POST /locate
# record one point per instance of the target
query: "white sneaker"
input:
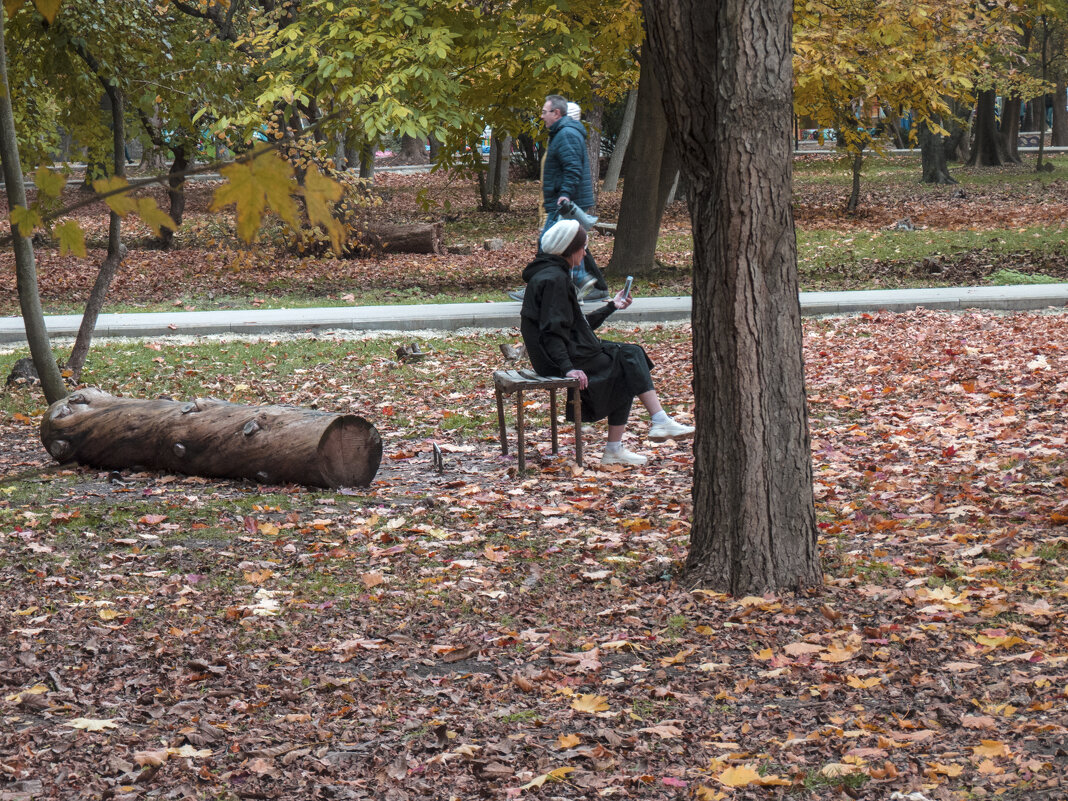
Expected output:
(670, 430)
(623, 456)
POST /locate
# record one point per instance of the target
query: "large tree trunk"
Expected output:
(413, 151)
(1059, 137)
(959, 126)
(25, 263)
(175, 192)
(615, 163)
(726, 72)
(987, 147)
(1010, 130)
(495, 186)
(649, 171)
(933, 157)
(207, 437)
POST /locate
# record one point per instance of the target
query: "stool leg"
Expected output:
(500, 422)
(519, 425)
(578, 428)
(552, 420)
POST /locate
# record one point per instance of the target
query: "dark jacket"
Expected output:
(560, 338)
(567, 166)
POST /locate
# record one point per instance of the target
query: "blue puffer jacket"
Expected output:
(567, 166)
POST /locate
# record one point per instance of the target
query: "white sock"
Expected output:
(613, 447)
(661, 417)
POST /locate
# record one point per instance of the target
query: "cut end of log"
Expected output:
(350, 451)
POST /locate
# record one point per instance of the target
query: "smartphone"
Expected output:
(627, 286)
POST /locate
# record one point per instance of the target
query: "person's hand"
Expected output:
(581, 376)
(560, 201)
(621, 301)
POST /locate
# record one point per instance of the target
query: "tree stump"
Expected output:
(213, 438)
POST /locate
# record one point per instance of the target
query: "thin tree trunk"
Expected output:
(727, 77)
(615, 163)
(44, 361)
(1042, 100)
(594, 121)
(854, 195)
(367, 161)
(933, 157)
(116, 251)
(1059, 137)
(645, 186)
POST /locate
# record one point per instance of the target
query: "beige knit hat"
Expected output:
(559, 236)
(574, 111)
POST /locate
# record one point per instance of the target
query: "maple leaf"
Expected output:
(552, 775)
(836, 653)
(568, 741)
(590, 703)
(92, 724)
(862, 684)
(320, 195)
(121, 203)
(48, 182)
(71, 238)
(739, 776)
(27, 219)
(153, 216)
(991, 748)
(664, 731)
(253, 186)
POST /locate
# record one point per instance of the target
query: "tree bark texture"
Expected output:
(212, 438)
(959, 127)
(1010, 129)
(645, 185)
(619, 152)
(594, 121)
(933, 157)
(25, 263)
(726, 72)
(987, 147)
(854, 194)
(1059, 136)
(412, 151)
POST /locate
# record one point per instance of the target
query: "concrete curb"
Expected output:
(449, 317)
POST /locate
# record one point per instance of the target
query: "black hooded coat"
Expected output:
(559, 338)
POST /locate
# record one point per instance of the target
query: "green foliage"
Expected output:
(1014, 277)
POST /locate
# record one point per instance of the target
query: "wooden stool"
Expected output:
(505, 382)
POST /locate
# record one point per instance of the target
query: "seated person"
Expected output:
(560, 341)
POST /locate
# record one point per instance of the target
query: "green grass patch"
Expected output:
(1013, 277)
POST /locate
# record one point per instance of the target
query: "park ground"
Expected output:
(476, 633)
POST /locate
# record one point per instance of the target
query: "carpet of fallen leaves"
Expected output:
(475, 633)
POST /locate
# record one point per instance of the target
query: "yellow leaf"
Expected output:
(836, 653)
(37, 689)
(834, 770)
(320, 195)
(991, 748)
(371, 579)
(29, 610)
(590, 703)
(71, 238)
(739, 777)
(708, 794)
(108, 614)
(11, 6)
(555, 775)
(862, 684)
(946, 770)
(154, 217)
(26, 219)
(48, 8)
(120, 203)
(1007, 641)
(48, 182)
(568, 740)
(764, 655)
(258, 576)
(619, 645)
(253, 186)
(91, 724)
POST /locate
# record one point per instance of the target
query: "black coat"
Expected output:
(559, 338)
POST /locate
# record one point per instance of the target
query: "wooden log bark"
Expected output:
(414, 238)
(213, 438)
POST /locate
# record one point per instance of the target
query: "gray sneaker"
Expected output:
(517, 294)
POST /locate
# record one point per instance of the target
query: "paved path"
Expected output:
(449, 317)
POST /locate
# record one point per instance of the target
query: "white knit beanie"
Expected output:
(574, 111)
(559, 236)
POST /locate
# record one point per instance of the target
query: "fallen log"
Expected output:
(213, 438)
(414, 238)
